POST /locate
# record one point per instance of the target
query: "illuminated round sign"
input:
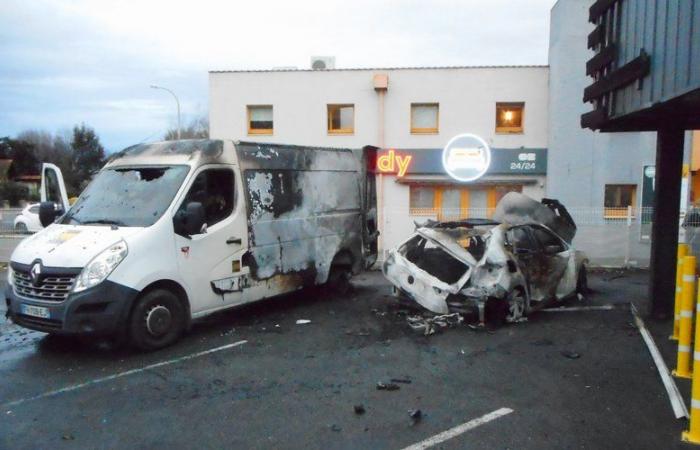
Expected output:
(466, 157)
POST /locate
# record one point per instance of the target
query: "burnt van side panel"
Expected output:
(304, 207)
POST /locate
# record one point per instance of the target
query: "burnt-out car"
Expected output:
(515, 263)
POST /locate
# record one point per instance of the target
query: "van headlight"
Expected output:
(10, 276)
(101, 266)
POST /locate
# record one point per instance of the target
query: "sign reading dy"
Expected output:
(392, 162)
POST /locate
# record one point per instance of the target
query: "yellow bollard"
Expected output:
(682, 252)
(685, 332)
(693, 433)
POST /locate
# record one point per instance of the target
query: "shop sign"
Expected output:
(466, 157)
(393, 162)
(428, 161)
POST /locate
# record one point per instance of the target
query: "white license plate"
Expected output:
(35, 311)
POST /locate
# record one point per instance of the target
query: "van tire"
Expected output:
(339, 280)
(157, 320)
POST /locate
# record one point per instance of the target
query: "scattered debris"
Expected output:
(431, 325)
(357, 333)
(570, 354)
(335, 428)
(401, 380)
(303, 321)
(415, 414)
(378, 313)
(68, 437)
(387, 386)
(359, 409)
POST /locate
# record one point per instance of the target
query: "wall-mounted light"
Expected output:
(508, 116)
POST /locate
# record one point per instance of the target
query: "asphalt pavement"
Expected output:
(254, 378)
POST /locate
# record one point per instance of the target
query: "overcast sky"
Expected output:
(65, 62)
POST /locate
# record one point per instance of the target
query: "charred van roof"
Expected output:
(207, 147)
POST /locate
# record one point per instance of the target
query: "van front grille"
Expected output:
(52, 288)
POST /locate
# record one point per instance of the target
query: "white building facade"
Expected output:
(411, 114)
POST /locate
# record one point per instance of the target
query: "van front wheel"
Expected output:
(157, 320)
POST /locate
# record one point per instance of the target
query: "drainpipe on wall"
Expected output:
(381, 85)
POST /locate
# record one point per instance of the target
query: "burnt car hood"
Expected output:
(519, 209)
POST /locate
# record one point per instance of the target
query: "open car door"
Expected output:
(370, 232)
(53, 189)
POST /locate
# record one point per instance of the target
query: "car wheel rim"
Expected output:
(158, 320)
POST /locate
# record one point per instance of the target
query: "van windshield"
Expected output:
(127, 196)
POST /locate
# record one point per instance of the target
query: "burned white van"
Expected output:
(174, 231)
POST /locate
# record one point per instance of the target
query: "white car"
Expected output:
(28, 219)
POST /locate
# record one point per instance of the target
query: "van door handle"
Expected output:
(233, 240)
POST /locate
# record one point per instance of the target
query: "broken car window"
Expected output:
(214, 189)
(471, 239)
(131, 197)
(519, 239)
(549, 242)
(431, 258)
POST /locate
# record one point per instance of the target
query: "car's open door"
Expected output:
(53, 189)
(370, 232)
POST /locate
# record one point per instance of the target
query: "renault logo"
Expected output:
(35, 273)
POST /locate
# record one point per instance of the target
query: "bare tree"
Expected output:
(48, 147)
(197, 128)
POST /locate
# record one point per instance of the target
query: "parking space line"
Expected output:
(459, 429)
(121, 374)
(679, 408)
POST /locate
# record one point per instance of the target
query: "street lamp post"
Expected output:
(153, 86)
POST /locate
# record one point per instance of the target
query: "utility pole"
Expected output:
(153, 86)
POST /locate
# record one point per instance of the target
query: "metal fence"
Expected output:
(610, 237)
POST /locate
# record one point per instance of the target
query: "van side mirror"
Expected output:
(48, 212)
(190, 220)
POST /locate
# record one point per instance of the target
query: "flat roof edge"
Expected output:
(350, 69)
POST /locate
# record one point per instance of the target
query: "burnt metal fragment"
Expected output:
(570, 354)
(387, 386)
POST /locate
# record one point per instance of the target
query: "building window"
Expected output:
(618, 197)
(341, 119)
(260, 119)
(509, 117)
(421, 200)
(424, 118)
(453, 202)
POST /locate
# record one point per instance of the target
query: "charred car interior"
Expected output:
(503, 267)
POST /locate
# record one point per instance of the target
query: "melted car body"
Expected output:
(517, 260)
